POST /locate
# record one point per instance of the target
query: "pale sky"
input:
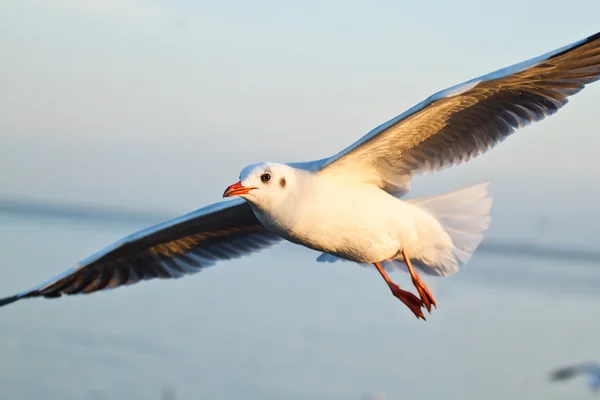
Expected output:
(160, 104)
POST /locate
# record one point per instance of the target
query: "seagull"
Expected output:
(348, 206)
(592, 370)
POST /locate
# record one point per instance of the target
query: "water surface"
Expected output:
(280, 326)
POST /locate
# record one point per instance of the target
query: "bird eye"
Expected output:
(266, 177)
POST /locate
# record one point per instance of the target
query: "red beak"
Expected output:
(236, 189)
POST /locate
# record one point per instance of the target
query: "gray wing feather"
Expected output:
(461, 122)
(172, 249)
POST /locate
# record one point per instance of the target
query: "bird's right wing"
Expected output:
(172, 249)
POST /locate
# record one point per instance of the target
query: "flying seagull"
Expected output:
(592, 370)
(348, 206)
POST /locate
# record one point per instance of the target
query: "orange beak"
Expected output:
(236, 189)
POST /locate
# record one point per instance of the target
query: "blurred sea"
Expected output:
(278, 325)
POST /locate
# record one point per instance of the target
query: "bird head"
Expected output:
(263, 184)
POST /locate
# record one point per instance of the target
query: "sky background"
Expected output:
(159, 104)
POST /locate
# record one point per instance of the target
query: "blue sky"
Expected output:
(159, 104)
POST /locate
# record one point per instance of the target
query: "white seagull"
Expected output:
(592, 370)
(348, 206)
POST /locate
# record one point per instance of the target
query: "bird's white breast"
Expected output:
(349, 219)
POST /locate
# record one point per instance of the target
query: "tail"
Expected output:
(465, 215)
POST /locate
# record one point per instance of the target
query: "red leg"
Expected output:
(409, 299)
(423, 290)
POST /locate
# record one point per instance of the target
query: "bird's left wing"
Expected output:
(463, 121)
(172, 249)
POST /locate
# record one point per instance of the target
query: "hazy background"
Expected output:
(155, 106)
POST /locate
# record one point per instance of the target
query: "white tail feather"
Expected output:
(465, 215)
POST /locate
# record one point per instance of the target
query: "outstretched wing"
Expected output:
(175, 248)
(574, 370)
(461, 122)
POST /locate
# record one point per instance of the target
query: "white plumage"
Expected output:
(348, 206)
(359, 222)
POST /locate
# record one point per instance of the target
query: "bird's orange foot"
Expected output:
(425, 294)
(409, 299)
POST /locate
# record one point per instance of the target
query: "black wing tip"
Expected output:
(9, 300)
(593, 37)
(587, 40)
(562, 374)
(590, 39)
